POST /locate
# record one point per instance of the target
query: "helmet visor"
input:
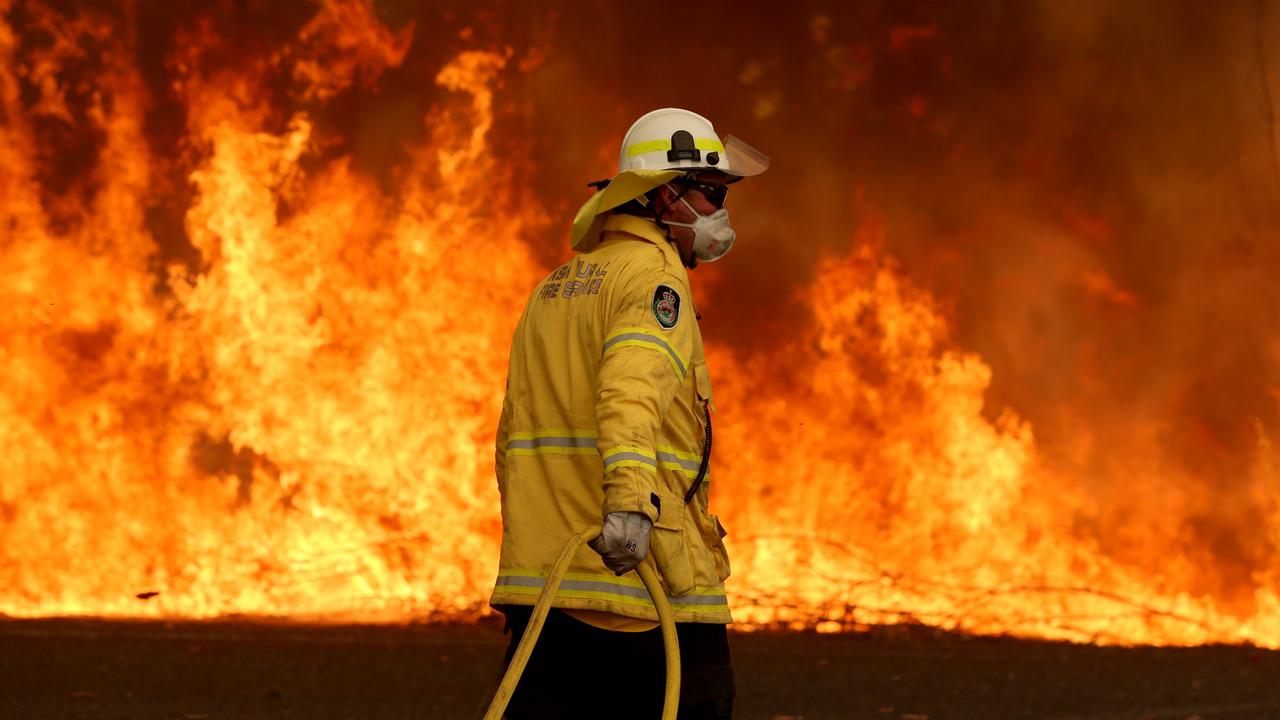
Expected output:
(744, 160)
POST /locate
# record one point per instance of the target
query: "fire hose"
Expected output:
(648, 576)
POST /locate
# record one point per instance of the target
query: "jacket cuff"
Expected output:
(630, 489)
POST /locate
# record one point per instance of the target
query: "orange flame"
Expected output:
(297, 420)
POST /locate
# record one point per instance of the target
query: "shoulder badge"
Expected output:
(666, 306)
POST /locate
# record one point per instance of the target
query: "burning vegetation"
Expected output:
(999, 350)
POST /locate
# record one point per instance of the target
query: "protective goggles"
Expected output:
(715, 194)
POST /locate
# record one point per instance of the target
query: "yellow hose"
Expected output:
(671, 700)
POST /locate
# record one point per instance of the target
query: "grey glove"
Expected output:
(623, 540)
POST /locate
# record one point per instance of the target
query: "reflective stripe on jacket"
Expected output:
(607, 391)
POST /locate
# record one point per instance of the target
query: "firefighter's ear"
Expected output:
(662, 197)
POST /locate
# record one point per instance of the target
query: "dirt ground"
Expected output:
(198, 671)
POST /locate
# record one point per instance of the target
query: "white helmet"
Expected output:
(675, 139)
(658, 148)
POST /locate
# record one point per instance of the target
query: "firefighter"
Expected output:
(607, 421)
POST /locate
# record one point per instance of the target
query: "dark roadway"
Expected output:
(198, 671)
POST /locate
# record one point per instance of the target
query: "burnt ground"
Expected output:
(194, 671)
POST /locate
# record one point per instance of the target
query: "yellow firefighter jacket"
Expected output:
(606, 409)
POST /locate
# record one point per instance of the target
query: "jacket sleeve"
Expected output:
(647, 346)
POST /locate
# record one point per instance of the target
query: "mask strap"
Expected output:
(692, 262)
(657, 218)
(680, 196)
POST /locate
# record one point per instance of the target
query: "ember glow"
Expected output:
(261, 272)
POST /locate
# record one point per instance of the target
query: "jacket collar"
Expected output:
(621, 226)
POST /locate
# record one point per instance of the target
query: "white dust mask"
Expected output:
(712, 234)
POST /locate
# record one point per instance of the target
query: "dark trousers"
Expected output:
(580, 671)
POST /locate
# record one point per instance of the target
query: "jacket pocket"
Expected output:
(669, 544)
(702, 410)
(718, 551)
(702, 383)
